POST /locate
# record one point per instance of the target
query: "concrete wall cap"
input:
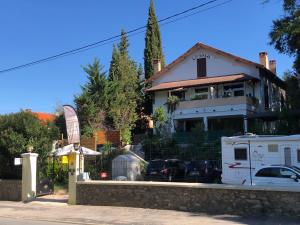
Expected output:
(29, 154)
(189, 185)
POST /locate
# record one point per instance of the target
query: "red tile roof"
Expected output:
(201, 82)
(44, 117)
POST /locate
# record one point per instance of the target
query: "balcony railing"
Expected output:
(215, 102)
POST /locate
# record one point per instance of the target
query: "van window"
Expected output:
(240, 153)
(272, 148)
(298, 155)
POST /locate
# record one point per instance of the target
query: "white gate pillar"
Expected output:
(29, 162)
(73, 174)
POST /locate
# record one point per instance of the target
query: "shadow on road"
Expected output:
(52, 199)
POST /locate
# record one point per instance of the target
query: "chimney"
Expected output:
(263, 59)
(156, 65)
(272, 65)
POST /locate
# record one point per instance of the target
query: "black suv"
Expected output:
(165, 170)
(204, 171)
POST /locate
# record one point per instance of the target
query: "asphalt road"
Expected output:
(11, 221)
(57, 212)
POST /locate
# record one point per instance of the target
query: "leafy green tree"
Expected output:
(160, 116)
(153, 44)
(17, 132)
(92, 103)
(123, 86)
(285, 34)
(292, 91)
(172, 103)
(289, 122)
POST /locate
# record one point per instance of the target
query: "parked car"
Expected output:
(165, 170)
(204, 171)
(277, 176)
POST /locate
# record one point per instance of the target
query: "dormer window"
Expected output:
(201, 67)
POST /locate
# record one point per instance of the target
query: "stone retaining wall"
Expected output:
(10, 190)
(206, 198)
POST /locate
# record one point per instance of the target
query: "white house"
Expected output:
(217, 88)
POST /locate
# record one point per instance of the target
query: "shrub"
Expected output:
(17, 131)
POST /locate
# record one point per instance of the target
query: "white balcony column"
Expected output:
(245, 124)
(205, 122)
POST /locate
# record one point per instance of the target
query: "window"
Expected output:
(238, 93)
(234, 90)
(275, 172)
(201, 67)
(298, 155)
(272, 148)
(179, 94)
(268, 172)
(266, 93)
(201, 93)
(240, 153)
(286, 173)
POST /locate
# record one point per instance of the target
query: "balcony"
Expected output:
(240, 100)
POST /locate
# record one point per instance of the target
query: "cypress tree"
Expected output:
(123, 45)
(153, 45)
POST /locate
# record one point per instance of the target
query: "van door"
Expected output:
(241, 166)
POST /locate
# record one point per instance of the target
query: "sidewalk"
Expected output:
(60, 212)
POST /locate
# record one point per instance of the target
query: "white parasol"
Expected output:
(70, 148)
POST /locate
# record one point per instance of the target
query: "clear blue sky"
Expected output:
(34, 29)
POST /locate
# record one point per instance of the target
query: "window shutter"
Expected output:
(201, 67)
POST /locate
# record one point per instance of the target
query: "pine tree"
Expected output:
(114, 63)
(92, 103)
(153, 45)
(123, 90)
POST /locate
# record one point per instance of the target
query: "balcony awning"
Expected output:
(201, 82)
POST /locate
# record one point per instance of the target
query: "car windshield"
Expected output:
(172, 163)
(156, 164)
(297, 169)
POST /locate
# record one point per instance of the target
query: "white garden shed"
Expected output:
(127, 166)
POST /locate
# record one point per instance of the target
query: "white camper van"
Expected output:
(243, 155)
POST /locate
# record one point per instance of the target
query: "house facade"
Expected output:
(217, 89)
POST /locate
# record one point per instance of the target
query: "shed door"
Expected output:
(287, 156)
